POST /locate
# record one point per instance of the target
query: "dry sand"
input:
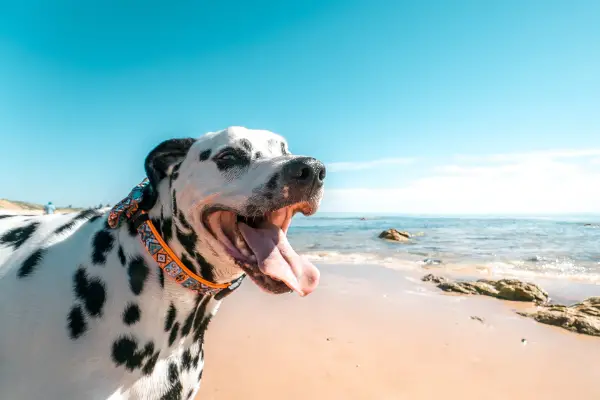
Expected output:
(373, 333)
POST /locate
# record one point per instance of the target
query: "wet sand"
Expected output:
(373, 333)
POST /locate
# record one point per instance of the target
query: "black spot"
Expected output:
(6, 216)
(161, 277)
(138, 273)
(196, 360)
(272, 182)
(82, 216)
(201, 320)
(188, 263)
(268, 195)
(17, 236)
(189, 321)
(186, 360)
(121, 255)
(283, 150)
(187, 325)
(125, 352)
(131, 315)
(206, 268)
(76, 322)
(170, 319)
(173, 373)
(200, 374)
(150, 364)
(148, 349)
(30, 263)
(173, 334)
(131, 228)
(205, 155)
(190, 394)
(158, 225)
(258, 155)
(184, 222)
(246, 145)
(174, 392)
(103, 242)
(174, 205)
(91, 291)
(167, 233)
(187, 240)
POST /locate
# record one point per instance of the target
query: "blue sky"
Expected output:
(419, 107)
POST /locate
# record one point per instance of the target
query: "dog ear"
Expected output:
(165, 155)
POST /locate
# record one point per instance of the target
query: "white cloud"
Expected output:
(534, 183)
(358, 165)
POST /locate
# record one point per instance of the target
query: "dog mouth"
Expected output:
(259, 245)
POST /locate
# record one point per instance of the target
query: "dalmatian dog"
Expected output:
(86, 312)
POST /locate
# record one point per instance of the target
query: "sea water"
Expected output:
(565, 247)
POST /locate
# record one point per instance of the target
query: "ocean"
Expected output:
(554, 247)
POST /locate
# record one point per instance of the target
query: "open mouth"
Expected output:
(259, 246)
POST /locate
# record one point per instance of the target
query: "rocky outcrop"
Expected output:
(505, 289)
(395, 235)
(582, 317)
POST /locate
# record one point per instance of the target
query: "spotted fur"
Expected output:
(86, 312)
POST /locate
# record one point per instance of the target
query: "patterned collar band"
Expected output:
(128, 209)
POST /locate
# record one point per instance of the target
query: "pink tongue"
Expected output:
(277, 259)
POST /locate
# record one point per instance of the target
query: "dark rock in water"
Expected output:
(505, 289)
(476, 318)
(432, 261)
(582, 317)
(363, 219)
(395, 235)
(592, 225)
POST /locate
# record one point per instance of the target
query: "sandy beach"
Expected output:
(373, 333)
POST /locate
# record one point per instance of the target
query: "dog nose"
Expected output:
(304, 171)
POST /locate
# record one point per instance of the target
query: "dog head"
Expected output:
(224, 203)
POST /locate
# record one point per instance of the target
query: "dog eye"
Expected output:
(227, 156)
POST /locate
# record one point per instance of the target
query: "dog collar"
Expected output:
(167, 260)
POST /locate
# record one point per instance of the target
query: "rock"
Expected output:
(395, 235)
(505, 289)
(434, 278)
(363, 219)
(476, 318)
(582, 317)
(482, 288)
(515, 290)
(432, 261)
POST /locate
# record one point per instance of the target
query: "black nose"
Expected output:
(304, 171)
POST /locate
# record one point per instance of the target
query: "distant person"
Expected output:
(49, 208)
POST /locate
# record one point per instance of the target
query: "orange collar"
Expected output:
(128, 208)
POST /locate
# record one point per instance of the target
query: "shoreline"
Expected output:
(376, 333)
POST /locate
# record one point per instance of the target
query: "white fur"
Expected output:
(38, 358)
